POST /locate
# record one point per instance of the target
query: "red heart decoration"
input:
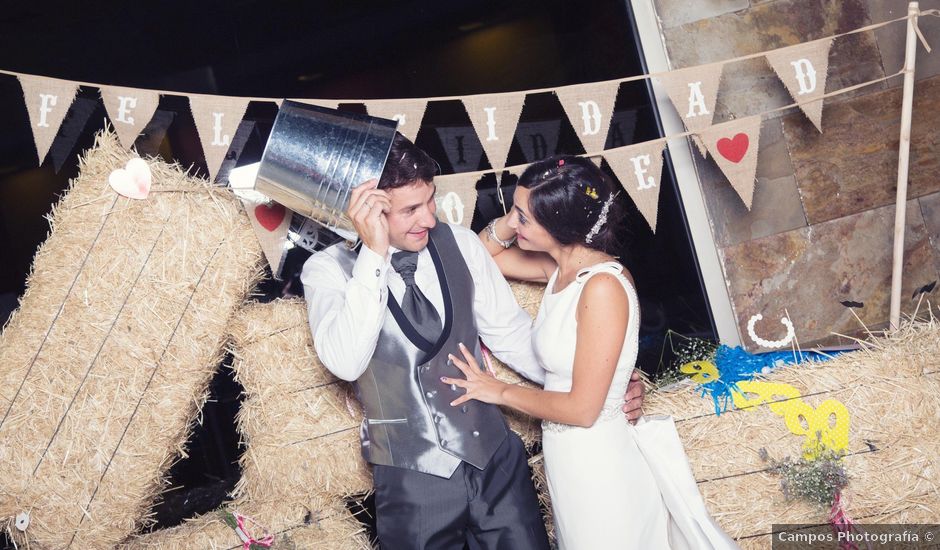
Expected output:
(735, 148)
(270, 216)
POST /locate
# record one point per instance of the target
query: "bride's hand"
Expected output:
(480, 385)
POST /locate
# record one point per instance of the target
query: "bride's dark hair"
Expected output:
(567, 197)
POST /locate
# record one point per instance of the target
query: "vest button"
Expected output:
(443, 443)
(464, 409)
(431, 394)
(476, 433)
(425, 368)
(438, 417)
(453, 387)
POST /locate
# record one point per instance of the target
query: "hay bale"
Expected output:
(104, 365)
(892, 393)
(324, 525)
(300, 428)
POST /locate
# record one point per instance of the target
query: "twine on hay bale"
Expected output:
(892, 392)
(107, 360)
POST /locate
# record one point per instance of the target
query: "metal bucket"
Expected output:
(315, 156)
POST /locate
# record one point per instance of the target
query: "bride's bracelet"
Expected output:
(491, 231)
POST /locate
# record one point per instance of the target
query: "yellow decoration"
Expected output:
(702, 372)
(816, 425)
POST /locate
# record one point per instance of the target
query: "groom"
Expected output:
(386, 317)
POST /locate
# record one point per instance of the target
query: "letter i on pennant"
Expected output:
(494, 117)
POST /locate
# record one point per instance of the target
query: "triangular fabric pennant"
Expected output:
(694, 92)
(538, 139)
(456, 198)
(639, 169)
(130, 110)
(734, 147)
(217, 118)
(589, 108)
(408, 112)
(47, 102)
(270, 222)
(803, 69)
(462, 147)
(495, 116)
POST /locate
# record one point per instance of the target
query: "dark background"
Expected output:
(351, 49)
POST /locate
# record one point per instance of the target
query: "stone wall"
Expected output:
(820, 232)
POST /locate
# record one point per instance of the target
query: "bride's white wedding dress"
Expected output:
(604, 493)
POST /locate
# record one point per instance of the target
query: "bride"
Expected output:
(564, 220)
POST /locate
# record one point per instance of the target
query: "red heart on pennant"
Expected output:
(735, 148)
(270, 216)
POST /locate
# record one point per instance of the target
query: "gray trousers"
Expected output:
(495, 508)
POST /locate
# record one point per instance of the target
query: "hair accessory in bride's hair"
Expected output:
(561, 162)
(591, 192)
(601, 219)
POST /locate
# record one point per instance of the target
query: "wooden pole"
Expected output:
(900, 205)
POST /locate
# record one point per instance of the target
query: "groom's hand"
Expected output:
(633, 398)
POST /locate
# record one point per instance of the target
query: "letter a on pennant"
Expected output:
(694, 92)
(639, 169)
(130, 110)
(216, 118)
(803, 68)
(734, 147)
(589, 108)
(494, 117)
(47, 102)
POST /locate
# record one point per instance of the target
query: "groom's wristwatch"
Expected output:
(491, 231)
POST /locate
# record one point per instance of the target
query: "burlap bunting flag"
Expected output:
(538, 139)
(456, 198)
(217, 118)
(47, 102)
(270, 222)
(803, 70)
(462, 147)
(494, 117)
(639, 169)
(734, 147)
(589, 108)
(130, 109)
(408, 112)
(694, 92)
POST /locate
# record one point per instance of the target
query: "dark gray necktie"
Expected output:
(415, 305)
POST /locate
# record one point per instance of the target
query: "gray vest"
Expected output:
(409, 422)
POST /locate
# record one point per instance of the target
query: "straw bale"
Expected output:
(299, 425)
(104, 365)
(892, 391)
(300, 428)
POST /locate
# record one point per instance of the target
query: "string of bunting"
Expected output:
(494, 119)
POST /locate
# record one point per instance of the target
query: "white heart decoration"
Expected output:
(132, 181)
